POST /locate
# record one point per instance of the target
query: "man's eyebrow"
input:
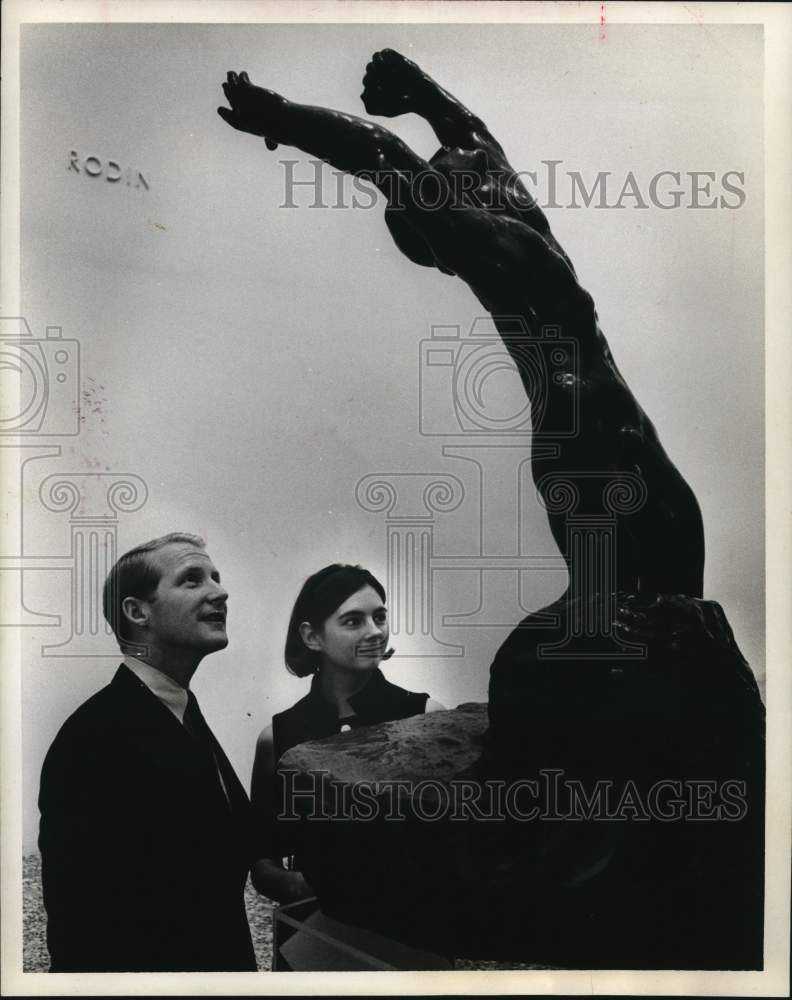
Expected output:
(190, 567)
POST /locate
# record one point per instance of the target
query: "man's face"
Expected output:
(188, 608)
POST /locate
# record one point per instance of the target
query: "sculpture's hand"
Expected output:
(679, 622)
(253, 109)
(696, 633)
(391, 85)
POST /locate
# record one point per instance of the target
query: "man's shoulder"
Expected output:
(105, 714)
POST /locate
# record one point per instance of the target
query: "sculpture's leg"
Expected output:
(515, 272)
(660, 545)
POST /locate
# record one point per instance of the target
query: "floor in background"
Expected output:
(35, 957)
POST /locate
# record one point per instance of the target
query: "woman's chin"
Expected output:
(371, 662)
(368, 661)
(356, 663)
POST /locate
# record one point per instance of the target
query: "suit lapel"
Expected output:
(160, 733)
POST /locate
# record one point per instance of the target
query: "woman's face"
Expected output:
(355, 636)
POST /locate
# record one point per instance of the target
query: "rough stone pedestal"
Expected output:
(400, 830)
(378, 843)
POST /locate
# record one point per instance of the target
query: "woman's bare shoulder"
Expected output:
(265, 744)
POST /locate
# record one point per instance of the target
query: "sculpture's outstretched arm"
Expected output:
(345, 142)
(355, 146)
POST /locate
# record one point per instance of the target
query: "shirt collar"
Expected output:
(172, 695)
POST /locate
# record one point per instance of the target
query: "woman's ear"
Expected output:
(310, 637)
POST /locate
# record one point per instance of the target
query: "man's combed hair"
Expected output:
(134, 575)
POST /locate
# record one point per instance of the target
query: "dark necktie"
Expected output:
(197, 726)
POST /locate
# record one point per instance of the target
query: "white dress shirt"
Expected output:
(172, 695)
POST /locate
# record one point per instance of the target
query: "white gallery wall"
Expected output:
(252, 363)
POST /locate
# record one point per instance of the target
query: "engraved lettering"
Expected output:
(93, 166)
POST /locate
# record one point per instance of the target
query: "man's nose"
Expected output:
(220, 594)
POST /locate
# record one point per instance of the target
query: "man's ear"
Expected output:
(310, 637)
(135, 611)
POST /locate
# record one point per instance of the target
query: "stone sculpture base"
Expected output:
(431, 859)
(396, 872)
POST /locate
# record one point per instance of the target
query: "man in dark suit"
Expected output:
(145, 828)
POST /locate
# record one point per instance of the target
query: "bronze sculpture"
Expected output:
(689, 707)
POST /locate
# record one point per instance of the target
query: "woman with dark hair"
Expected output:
(338, 635)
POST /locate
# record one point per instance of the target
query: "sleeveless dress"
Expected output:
(313, 718)
(326, 944)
